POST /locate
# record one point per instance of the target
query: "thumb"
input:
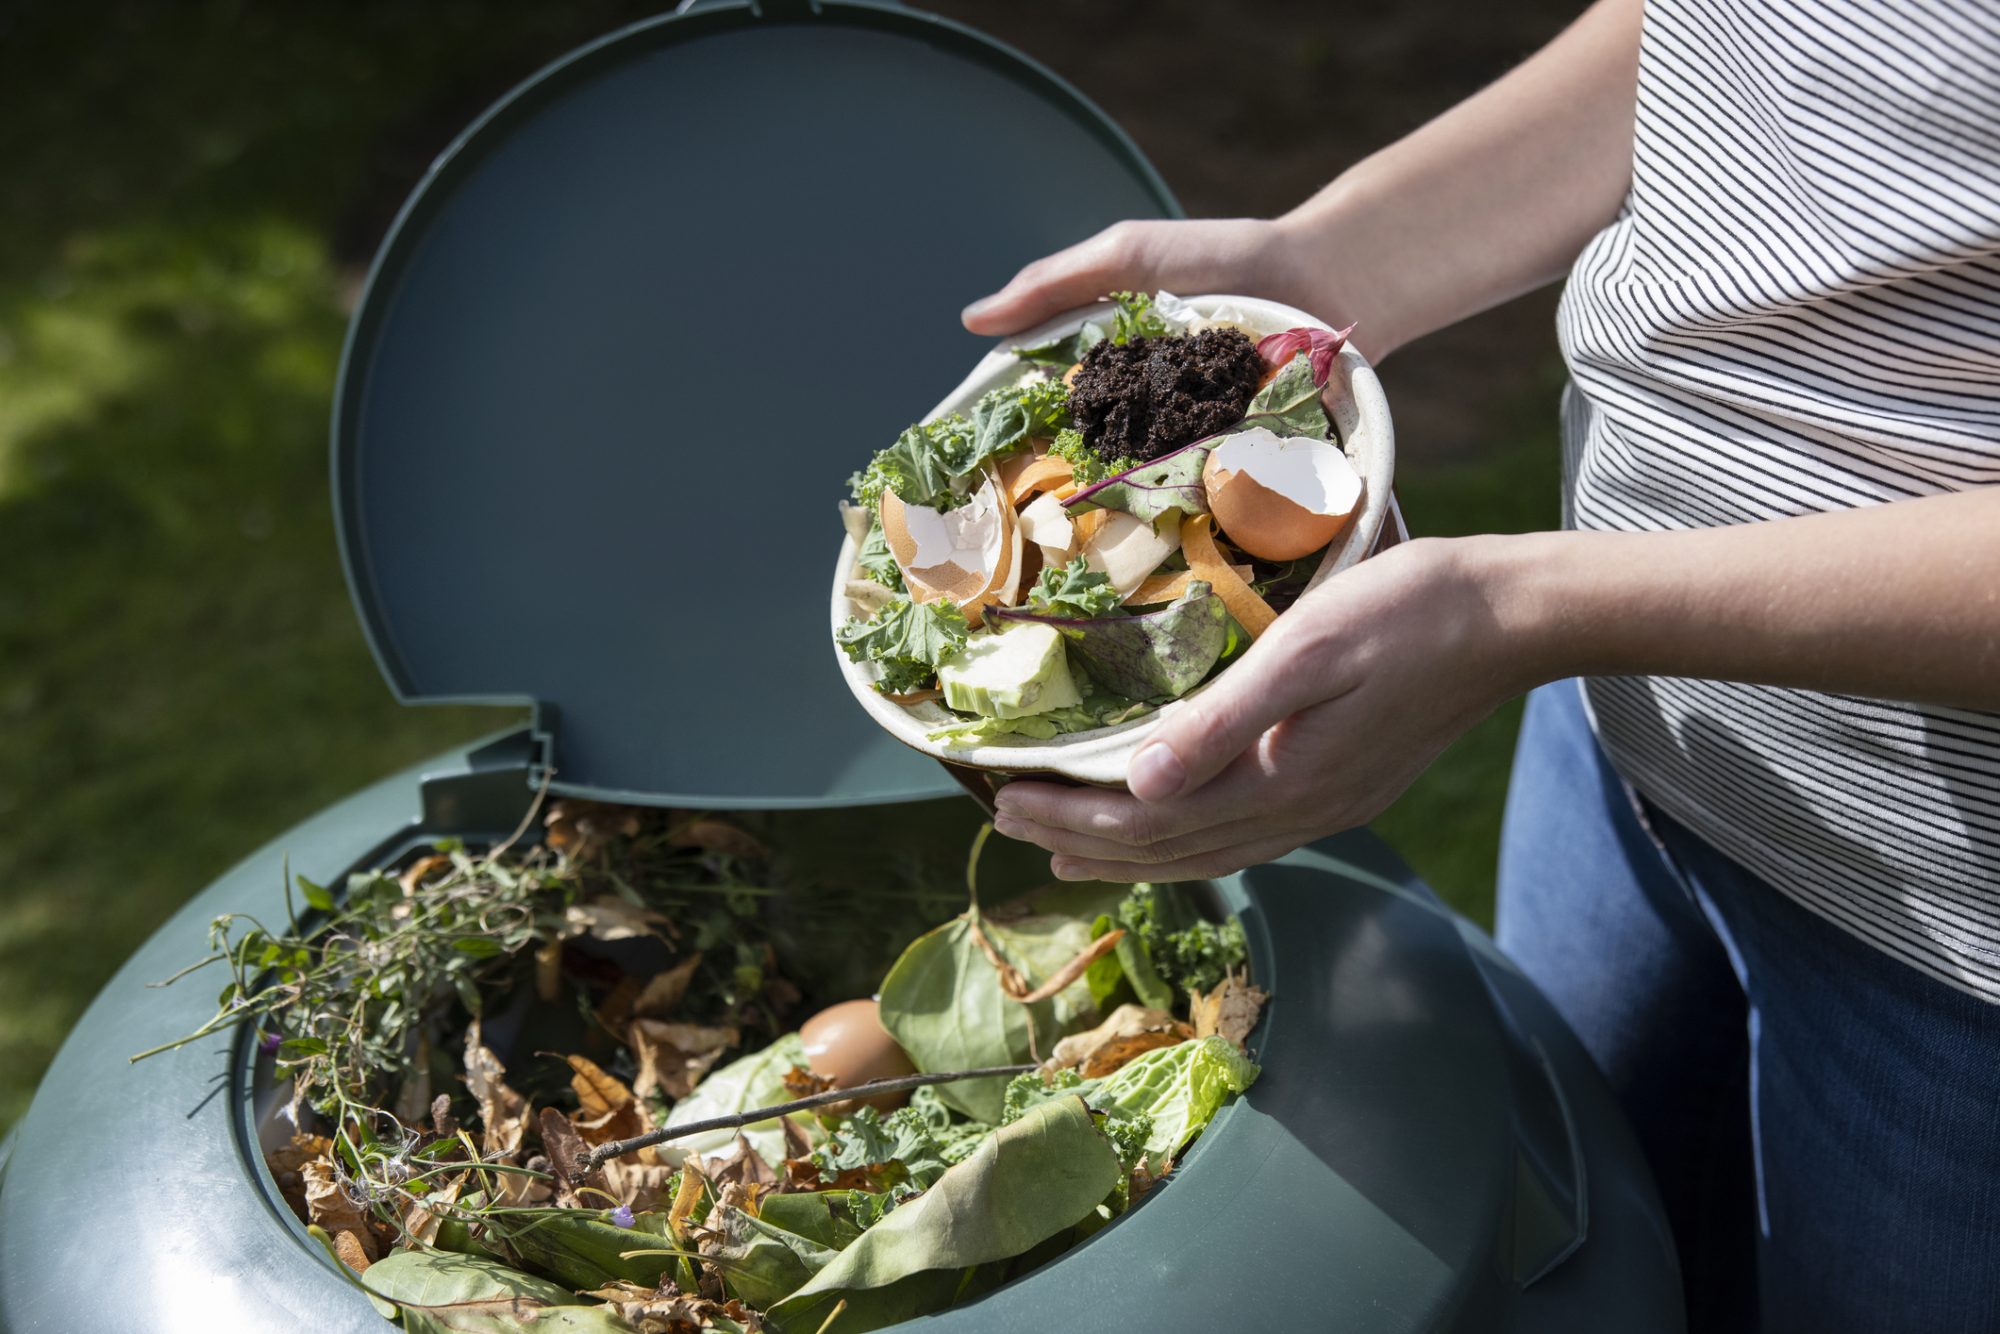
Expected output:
(1062, 281)
(1209, 732)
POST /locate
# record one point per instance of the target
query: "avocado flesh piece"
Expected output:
(1012, 673)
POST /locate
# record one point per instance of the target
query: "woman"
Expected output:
(1754, 855)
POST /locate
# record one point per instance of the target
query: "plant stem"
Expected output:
(604, 1153)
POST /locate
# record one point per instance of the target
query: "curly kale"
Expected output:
(1128, 1135)
(1193, 957)
(1029, 1091)
(1087, 464)
(1073, 590)
(908, 639)
(918, 467)
(897, 1151)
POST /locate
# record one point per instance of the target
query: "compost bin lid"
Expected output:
(625, 344)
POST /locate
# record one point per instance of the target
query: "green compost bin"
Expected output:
(666, 292)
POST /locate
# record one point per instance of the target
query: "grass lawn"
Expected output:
(181, 676)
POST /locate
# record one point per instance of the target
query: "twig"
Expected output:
(604, 1153)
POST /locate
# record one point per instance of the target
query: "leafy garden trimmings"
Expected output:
(490, 1053)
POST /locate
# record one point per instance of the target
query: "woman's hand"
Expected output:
(1336, 710)
(1244, 256)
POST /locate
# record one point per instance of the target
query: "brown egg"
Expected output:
(1279, 498)
(847, 1044)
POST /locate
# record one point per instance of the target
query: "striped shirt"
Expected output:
(1798, 310)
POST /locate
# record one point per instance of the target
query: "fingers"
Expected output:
(1202, 866)
(1113, 816)
(1205, 736)
(1099, 848)
(1069, 278)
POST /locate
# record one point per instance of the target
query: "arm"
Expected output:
(1491, 199)
(1353, 692)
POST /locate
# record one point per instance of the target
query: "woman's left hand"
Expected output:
(1325, 721)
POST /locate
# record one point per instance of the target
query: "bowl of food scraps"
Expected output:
(1102, 518)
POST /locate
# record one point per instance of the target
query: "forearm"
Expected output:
(1493, 198)
(1897, 601)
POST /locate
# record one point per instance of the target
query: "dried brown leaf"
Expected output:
(711, 835)
(668, 1310)
(1130, 1031)
(606, 1110)
(329, 1205)
(353, 1252)
(443, 1123)
(503, 1113)
(611, 918)
(580, 828)
(798, 1144)
(1229, 1011)
(422, 869)
(685, 1199)
(568, 1154)
(739, 1164)
(664, 992)
(286, 1163)
(674, 1057)
(803, 1083)
(422, 1220)
(641, 1186)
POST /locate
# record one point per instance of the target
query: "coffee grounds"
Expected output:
(1150, 396)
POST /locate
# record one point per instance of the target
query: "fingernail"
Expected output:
(1155, 773)
(979, 307)
(1008, 828)
(1004, 803)
(1065, 870)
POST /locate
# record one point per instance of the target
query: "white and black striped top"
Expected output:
(1799, 311)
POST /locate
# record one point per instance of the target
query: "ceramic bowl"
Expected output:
(1359, 412)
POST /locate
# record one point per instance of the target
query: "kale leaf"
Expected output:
(918, 467)
(1188, 952)
(908, 639)
(1074, 590)
(1086, 463)
(878, 561)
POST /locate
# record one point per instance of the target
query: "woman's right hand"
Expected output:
(1244, 256)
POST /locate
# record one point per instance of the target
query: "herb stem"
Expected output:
(604, 1153)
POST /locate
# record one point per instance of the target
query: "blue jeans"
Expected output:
(1823, 1121)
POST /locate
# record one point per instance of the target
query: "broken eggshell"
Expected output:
(1360, 414)
(971, 555)
(1279, 497)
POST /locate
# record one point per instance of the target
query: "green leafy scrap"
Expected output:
(1136, 318)
(1028, 1091)
(896, 1151)
(1028, 1182)
(918, 467)
(907, 639)
(1074, 590)
(1086, 464)
(877, 561)
(1290, 403)
(1004, 419)
(1189, 953)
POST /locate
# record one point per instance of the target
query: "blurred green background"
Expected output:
(189, 196)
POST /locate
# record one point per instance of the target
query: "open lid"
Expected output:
(627, 341)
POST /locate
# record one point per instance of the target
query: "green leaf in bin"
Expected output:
(1026, 1183)
(479, 947)
(317, 895)
(297, 1049)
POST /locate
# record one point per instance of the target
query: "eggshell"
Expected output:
(970, 555)
(1279, 498)
(847, 1044)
